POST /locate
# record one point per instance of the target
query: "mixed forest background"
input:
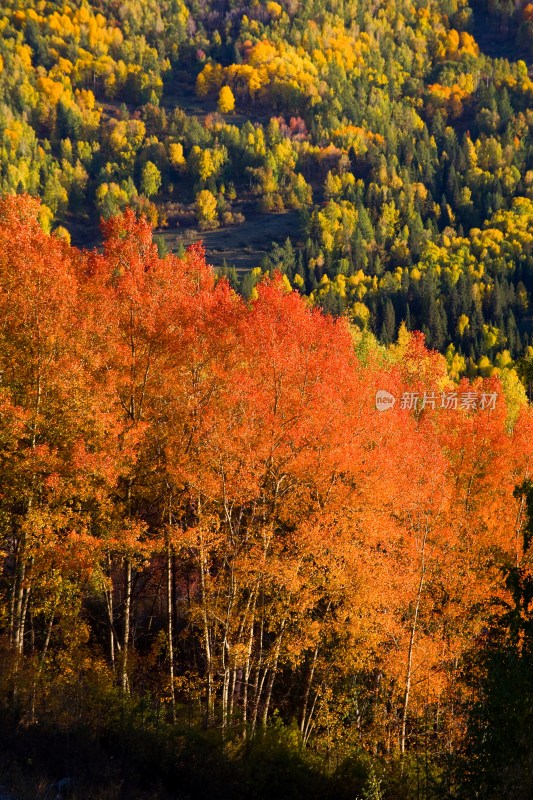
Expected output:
(225, 573)
(395, 136)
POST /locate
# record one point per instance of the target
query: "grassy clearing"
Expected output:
(242, 246)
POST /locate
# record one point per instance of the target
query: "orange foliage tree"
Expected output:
(217, 474)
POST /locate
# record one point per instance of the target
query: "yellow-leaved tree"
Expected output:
(226, 100)
(206, 209)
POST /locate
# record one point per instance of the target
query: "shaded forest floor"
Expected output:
(242, 246)
(128, 762)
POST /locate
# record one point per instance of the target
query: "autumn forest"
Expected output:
(266, 527)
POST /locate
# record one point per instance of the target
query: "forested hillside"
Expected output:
(404, 144)
(266, 533)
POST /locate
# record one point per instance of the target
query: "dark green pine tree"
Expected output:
(496, 300)
(377, 266)
(287, 258)
(408, 318)
(310, 278)
(364, 225)
(359, 249)
(453, 189)
(388, 325)
(417, 235)
(505, 108)
(300, 269)
(513, 336)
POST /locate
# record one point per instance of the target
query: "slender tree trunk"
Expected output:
(225, 697)
(233, 691)
(127, 622)
(272, 676)
(170, 631)
(258, 684)
(226, 655)
(48, 636)
(25, 605)
(14, 589)
(109, 597)
(258, 691)
(42, 660)
(309, 725)
(245, 637)
(22, 603)
(19, 604)
(248, 671)
(412, 637)
(303, 719)
(210, 715)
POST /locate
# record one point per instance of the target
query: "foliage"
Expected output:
(201, 505)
